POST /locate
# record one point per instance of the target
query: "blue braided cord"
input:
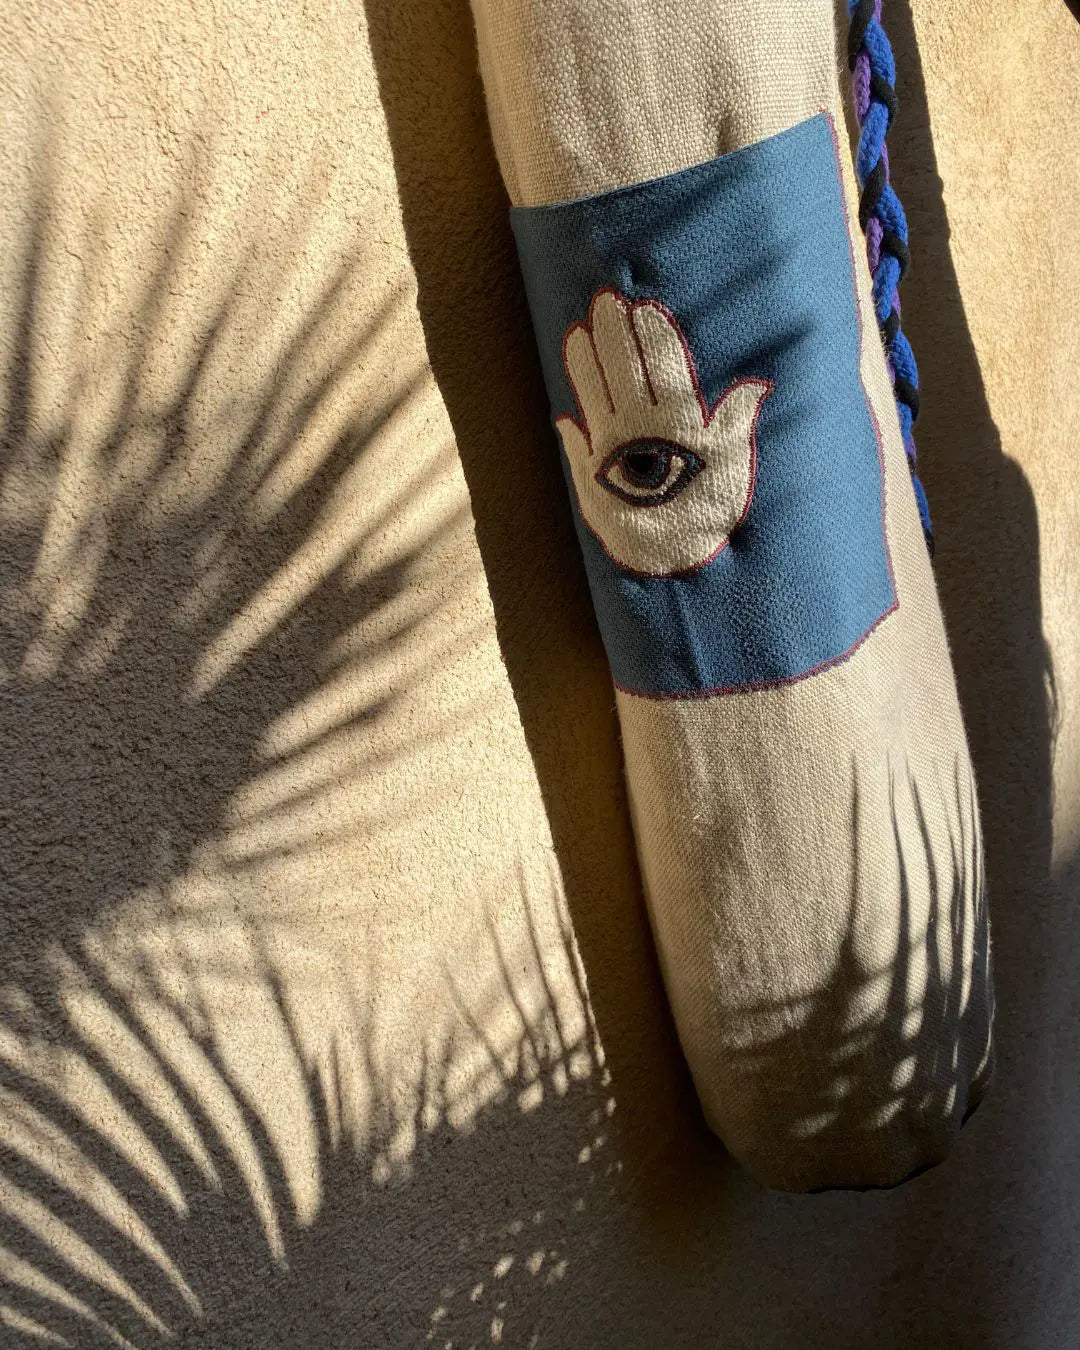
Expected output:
(879, 48)
(920, 498)
(890, 212)
(874, 125)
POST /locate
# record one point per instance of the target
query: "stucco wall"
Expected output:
(328, 1012)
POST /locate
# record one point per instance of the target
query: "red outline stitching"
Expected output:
(707, 415)
(723, 690)
(641, 358)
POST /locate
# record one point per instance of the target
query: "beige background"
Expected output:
(328, 1014)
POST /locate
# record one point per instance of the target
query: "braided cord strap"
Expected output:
(882, 217)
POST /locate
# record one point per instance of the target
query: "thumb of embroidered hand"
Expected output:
(802, 794)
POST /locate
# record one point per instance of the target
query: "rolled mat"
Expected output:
(684, 205)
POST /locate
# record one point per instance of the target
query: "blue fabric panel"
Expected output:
(751, 253)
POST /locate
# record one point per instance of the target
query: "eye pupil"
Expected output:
(646, 467)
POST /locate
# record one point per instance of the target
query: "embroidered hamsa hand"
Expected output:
(662, 479)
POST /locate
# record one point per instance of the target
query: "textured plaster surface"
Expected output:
(328, 1012)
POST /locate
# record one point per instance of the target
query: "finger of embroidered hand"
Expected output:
(617, 349)
(587, 379)
(666, 357)
(574, 440)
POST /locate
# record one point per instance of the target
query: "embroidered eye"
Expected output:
(648, 472)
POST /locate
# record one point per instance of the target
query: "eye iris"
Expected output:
(649, 471)
(646, 466)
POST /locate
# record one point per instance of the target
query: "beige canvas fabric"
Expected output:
(811, 854)
(586, 95)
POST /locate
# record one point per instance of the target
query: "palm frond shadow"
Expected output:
(480, 346)
(402, 1250)
(176, 576)
(926, 1047)
(170, 586)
